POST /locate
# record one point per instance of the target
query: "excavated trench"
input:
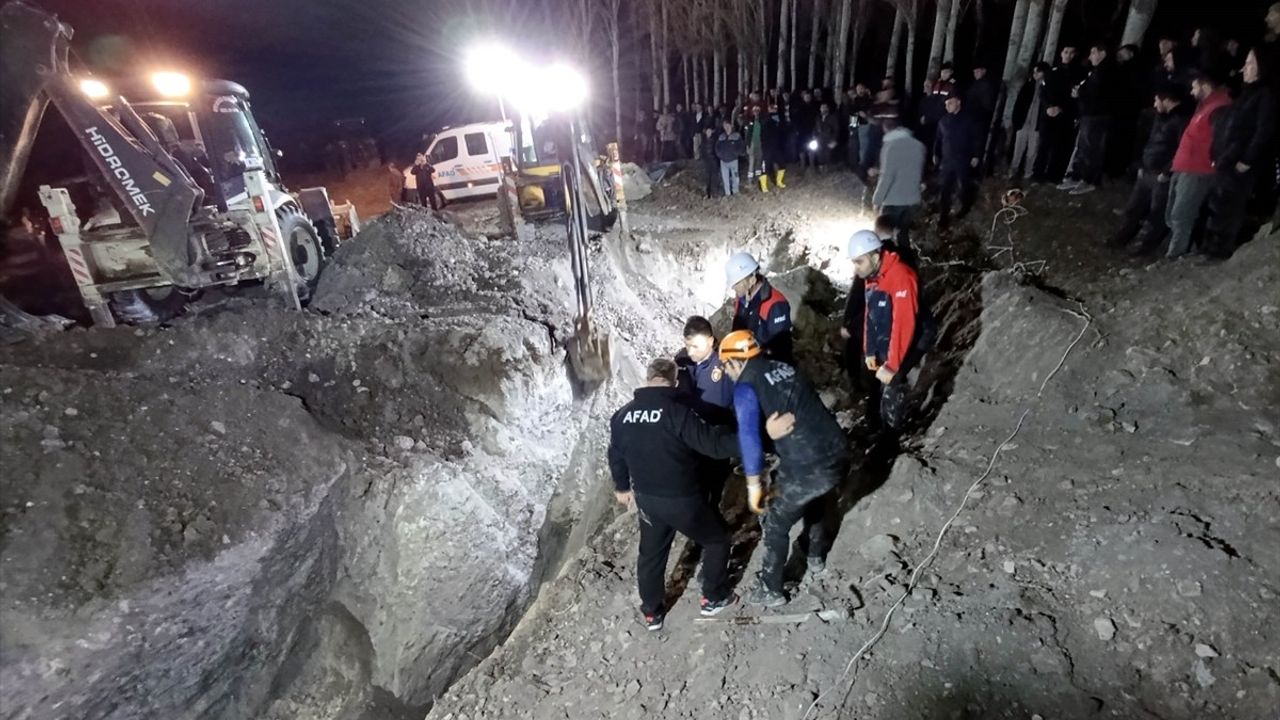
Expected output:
(390, 478)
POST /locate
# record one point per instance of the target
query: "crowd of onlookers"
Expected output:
(1197, 131)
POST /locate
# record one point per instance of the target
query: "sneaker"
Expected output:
(1083, 189)
(654, 621)
(816, 565)
(711, 608)
(1068, 185)
(762, 595)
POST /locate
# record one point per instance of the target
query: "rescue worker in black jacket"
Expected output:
(760, 308)
(656, 446)
(1242, 146)
(813, 455)
(1150, 197)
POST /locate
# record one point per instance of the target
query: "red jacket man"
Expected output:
(897, 327)
(1193, 164)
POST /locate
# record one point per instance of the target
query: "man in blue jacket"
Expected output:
(702, 375)
(813, 457)
(760, 308)
(956, 151)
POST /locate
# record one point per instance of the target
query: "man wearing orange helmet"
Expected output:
(813, 457)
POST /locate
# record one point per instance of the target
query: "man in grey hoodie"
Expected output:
(901, 172)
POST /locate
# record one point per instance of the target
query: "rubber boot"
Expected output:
(764, 182)
(777, 178)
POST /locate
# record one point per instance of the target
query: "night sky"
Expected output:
(396, 63)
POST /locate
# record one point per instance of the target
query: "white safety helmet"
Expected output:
(741, 265)
(863, 242)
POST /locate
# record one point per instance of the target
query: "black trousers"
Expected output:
(1145, 213)
(1228, 203)
(955, 181)
(1057, 140)
(429, 196)
(694, 517)
(888, 407)
(806, 495)
(902, 216)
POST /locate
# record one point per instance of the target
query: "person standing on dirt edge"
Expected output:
(813, 455)
(956, 150)
(728, 149)
(897, 329)
(424, 172)
(656, 448)
(760, 308)
(900, 174)
(710, 163)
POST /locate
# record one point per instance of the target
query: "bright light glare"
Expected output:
(171, 84)
(94, 89)
(565, 87)
(813, 144)
(491, 68)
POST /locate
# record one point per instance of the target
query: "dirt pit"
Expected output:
(392, 504)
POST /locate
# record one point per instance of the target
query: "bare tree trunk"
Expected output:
(717, 77)
(684, 77)
(762, 38)
(980, 22)
(1030, 40)
(815, 31)
(698, 80)
(1016, 28)
(795, 19)
(1054, 32)
(913, 22)
(611, 20)
(938, 40)
(953, 19)
(656, 78)
(784, 34)
(840, 62)
(666, 56)
(829, 56)
(1135, 27)
(860, 21)
(742, 72)
(895, 42)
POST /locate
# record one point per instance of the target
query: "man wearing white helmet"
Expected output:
(897, 328)
(760, 308)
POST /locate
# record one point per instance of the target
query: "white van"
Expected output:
(468, 159)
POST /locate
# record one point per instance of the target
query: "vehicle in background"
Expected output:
(468, 159)
(179, 190)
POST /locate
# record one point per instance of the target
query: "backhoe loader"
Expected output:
(181, 192)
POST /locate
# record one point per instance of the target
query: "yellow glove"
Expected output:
(755, 497)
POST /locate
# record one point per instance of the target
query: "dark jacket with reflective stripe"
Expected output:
(657, 445)
(768, 316)
(780, 388)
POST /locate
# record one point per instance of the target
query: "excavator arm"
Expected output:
(150, 185)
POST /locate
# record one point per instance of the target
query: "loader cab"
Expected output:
(214, 132)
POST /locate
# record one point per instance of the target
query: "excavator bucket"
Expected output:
(590, 357)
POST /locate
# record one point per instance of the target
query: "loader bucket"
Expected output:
(590, 360)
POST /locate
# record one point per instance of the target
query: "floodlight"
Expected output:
(171, 84)
(94, 89)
